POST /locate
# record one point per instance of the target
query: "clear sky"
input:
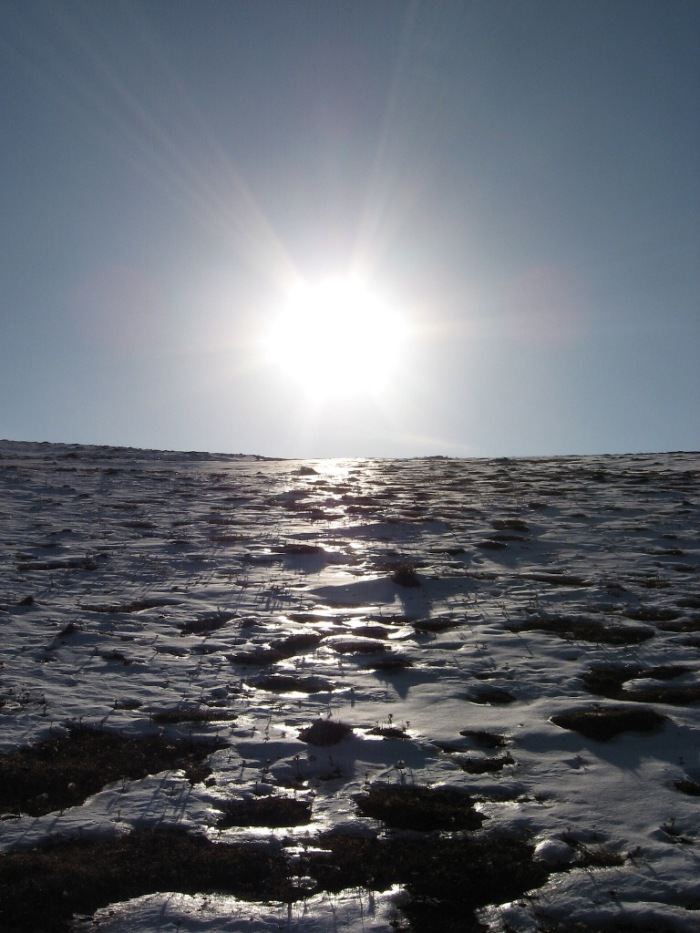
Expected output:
(498, 199)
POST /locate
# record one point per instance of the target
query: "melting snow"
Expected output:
(140, 585)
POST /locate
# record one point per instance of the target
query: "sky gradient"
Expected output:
(518, 179)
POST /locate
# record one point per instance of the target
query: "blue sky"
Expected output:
(518, 180)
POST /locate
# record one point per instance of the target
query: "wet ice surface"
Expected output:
(244, 599)
(371, 912)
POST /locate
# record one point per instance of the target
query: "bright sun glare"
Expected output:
(335, 338)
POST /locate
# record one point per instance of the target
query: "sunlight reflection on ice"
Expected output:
(356, 911)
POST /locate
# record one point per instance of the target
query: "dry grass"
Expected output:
(293, 683)
(206, 624)
(585, 628)
(64, 771)
(447, 876)
(405, 575)
(484, 738)
(608, 681)
(282, 649)
(325, 732)
(419, 808)
(272, 810)
(605, 722)
(491, 696)
(692, 788)
(473, 765)
(42, 888)
(183, 714)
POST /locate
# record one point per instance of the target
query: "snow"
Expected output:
(153, 574)
(338, 912)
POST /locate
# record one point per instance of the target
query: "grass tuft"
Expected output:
(473, 765)
(692, 788)
(491, 696)
(293, 683)
(207, 624)
(604, 723)
(191, 714)
(419, 808)
(273, 811)
(585, 628)
(608, 681)
(405, 575)
(484, 738)
(325, 732)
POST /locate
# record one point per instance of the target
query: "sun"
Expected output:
(336, 338)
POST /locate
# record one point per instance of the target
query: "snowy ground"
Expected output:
(241, 599)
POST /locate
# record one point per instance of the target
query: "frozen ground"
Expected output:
(447, 611)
